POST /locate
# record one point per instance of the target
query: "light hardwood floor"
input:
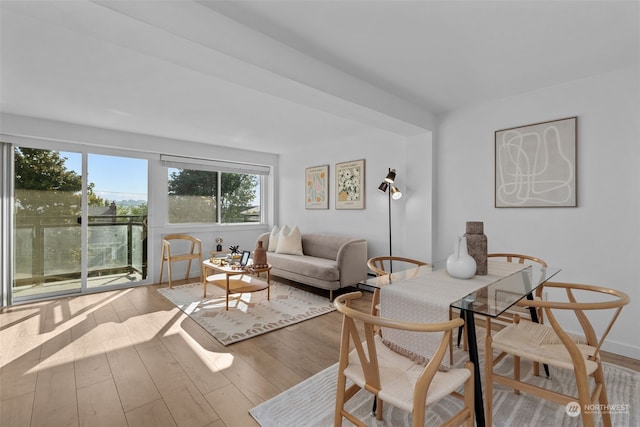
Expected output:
(131, 358)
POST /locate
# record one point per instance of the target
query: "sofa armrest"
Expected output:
(352, 262)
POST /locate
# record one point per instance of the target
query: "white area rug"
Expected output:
(249, 314)
(312, 402)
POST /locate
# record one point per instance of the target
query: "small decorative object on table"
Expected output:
(219, 244)
(235, 252)
(460, 264)
(260, 256)
(477, 245)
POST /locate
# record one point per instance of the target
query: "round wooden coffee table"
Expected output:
(235, 280)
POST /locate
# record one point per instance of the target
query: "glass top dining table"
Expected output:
(490, 295)
(496, 295)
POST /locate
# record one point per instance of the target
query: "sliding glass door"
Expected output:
(79, 222)
(47, 233)
(117, 220)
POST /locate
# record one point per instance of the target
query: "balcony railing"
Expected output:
(49, 249)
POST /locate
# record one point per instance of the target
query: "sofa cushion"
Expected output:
(273, 239)
(327, 269)
(290, 242)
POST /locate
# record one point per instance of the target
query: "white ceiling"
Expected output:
(278, 75)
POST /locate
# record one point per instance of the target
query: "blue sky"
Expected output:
(115, 178)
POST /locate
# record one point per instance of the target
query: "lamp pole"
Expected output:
(392, 193)
(390, 246)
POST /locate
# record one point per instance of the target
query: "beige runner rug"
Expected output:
(249, 314)
(311, 403)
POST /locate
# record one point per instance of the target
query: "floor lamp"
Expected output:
(392, 193)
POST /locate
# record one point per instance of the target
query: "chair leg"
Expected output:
(169, 272)
(462, 333)
(161, 269)
(584, 397)
(451, 351)
(465, 341)
(469, 397)
(451, 340)
(418, 415)
(342, 381)
(375, 300)
(603, 399)
(516, 371)
(488, 378)
(587, 418)
(188, 270)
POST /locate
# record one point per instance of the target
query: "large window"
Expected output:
(198, 194)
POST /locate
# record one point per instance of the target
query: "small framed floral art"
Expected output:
(350, 185)
(317, 187)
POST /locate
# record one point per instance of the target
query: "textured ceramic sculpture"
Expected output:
(260, 256)
(477, 245)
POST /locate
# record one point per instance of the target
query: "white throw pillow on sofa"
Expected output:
(273, 238)
(290, 242)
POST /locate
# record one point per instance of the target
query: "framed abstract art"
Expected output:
(535, 165)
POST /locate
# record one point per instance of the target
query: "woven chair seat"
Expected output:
(398, 377)
(540, 343)
(409, 384)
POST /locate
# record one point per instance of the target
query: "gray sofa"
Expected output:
(329, 262)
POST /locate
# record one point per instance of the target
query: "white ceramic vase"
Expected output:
(460, 264)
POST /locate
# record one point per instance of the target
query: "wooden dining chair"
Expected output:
(507, 317)
(552, 345)
(383, 265)
(525, 260)
(180, 242)
(393, 377)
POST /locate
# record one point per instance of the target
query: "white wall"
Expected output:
(418, 224)
(381, 151)
(599, 241)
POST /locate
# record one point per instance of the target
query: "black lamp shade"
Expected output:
(391, 176)
(383, 187)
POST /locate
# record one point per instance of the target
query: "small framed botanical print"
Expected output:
(317, 187)
(350, 185)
